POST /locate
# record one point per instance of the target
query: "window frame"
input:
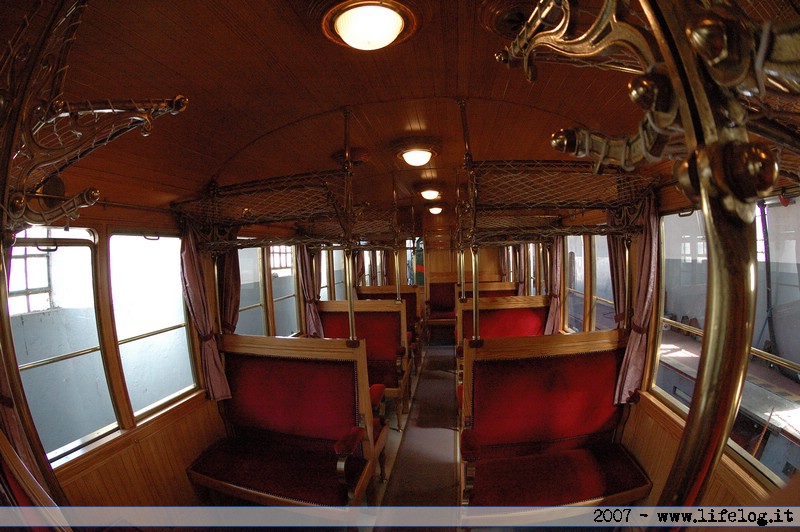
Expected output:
(98, 243)
(739, 454)
(160, 405)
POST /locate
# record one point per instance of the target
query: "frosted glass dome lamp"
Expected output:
(369, 25)
(417, 156)
(435, 210)
(430, 194)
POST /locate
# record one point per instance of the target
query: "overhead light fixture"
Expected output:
(428, 189)
(415, 151)
(417, 157)
(368, 24)
(435, 210)
(430, 194)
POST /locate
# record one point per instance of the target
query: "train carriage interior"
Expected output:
(581, 221)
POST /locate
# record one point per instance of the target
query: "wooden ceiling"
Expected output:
(267, 93)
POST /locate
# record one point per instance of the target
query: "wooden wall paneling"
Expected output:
(149, 467)
(652, 433)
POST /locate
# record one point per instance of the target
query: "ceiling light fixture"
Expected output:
(428, 189)
(416, 151)
(435, 210)
(368, 24)
(430, 194)
(417, 157)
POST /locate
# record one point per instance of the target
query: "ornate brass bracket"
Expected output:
(41, 135)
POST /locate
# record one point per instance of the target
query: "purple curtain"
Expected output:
(553, 325)
(385, 266)
(358, 278)
(616, 260)
(229, 285)
(194, 270)
(10, 421)
(503, 256)
(522, 269)
(630, 377)
(308, 286)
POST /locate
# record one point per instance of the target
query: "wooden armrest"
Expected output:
(347, 445)
(376, 394)
(344, 448)
(470, 446)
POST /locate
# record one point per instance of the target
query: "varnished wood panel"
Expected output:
(652, 433)
(147, 466)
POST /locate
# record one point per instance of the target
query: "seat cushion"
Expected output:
(302, 472)
(560, 477)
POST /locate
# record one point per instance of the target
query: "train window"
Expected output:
(531, 269)
(150, 319)
(252, 314)
(575, 283)
(324, 268)
(367, 276)
(284, 290)
(766, 426)
(56, 339)
(338, 275)
(603, 293)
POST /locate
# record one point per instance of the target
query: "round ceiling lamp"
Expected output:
(369, 27)
(429, 189)
(416, 151)
(435, 210)
(417, 156)
(368, 24)
(430, 194)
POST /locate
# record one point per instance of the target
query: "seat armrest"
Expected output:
(347, 445)
(376, 393)
(470, 446)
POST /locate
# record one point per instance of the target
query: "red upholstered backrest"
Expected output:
(499, 323)
(20, 497)
(409, 298)
(301, 397)
(492, 293)
(380, 330)
(442, 296)
(544, 399)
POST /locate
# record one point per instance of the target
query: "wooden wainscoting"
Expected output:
(145, 466)
(652, 433)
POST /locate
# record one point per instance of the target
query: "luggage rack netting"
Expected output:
(568, 185)
(279, 199)
(311, 206)
(519, 201)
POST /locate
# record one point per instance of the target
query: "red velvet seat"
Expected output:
(381, 325)
(408, 294)
(301, 424)
(539, 423)
(606, 473)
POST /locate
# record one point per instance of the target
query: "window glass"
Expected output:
(575, 281)
(532, 270)
(603, 291)
(284, 298)
(338, 274)
(150, 318)
(322, 263)
(369, 265)
(54, 329)
(251, 304)
(766, 426)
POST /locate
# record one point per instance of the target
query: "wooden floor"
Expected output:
(425, 470)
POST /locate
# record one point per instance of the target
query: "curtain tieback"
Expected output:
(207, 337)
(635, 327)
(619, 317)
(6, 401)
